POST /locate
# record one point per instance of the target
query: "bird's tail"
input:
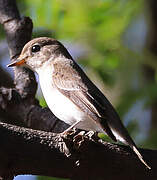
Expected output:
(113, 126)
(126, 139)
(140, 156)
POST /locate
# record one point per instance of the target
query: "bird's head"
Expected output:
(38, 51)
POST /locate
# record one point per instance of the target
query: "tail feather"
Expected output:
(140, 156)
(126, 139)
(110, 120)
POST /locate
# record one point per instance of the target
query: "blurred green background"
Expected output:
(115, 43)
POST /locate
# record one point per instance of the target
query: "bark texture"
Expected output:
(76, 157)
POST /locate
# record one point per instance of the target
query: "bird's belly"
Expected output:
(64, 109)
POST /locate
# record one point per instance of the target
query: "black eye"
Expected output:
(35, 48)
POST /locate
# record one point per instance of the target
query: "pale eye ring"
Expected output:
(35, 48)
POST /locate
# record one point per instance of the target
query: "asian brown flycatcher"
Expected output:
(69, 93)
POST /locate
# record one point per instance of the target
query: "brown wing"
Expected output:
(68, 80)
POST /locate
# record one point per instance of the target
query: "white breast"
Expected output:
(61, 106)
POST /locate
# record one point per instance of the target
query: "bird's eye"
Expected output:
(35, 48)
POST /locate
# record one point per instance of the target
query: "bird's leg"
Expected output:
(91, 133)
(70, 128)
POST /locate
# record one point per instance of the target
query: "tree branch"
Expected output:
(18, 32)
(43, 153)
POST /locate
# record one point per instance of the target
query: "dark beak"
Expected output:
(18, 62)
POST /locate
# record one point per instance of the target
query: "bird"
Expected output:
(70, 94)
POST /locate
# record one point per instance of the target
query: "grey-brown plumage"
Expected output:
(69, 93)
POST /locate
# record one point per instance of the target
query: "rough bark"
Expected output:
(18, 33)
(43, 153)
(28, 151)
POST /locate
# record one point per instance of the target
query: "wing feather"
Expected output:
(70, 83)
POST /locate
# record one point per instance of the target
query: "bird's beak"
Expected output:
(18, 62)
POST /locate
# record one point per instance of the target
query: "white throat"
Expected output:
(46, 68)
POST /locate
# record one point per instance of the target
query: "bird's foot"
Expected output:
(68, 132)
(92, 135)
